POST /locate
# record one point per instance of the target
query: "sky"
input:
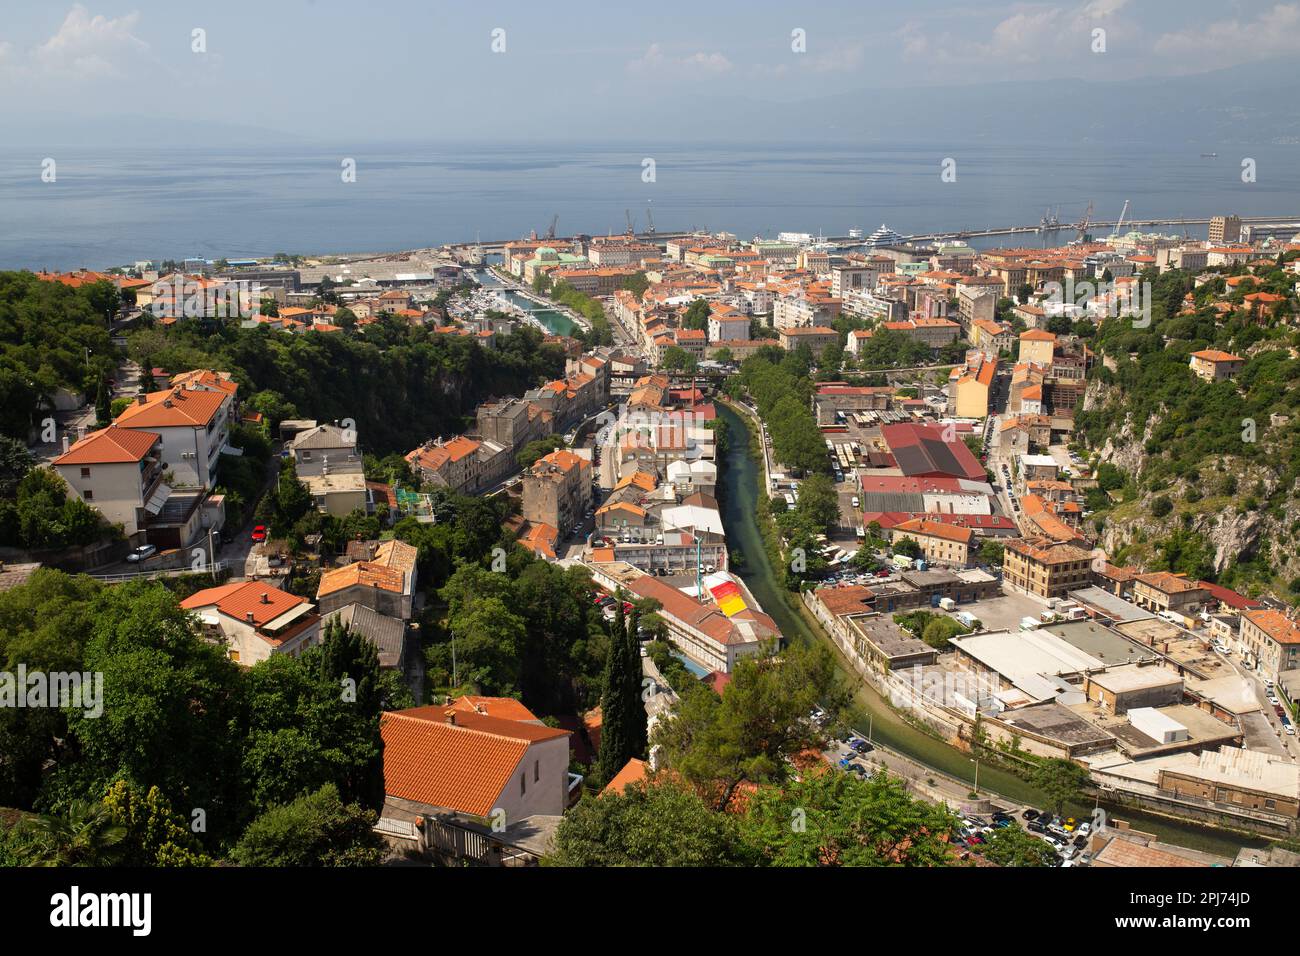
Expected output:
(408, 69)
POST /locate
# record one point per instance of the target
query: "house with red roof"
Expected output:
(119, 473)
(254, 620)
(193, 420)
(454, 762)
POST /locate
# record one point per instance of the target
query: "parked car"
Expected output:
(1030, 813)
(862, 747)
(259, 532)
(142, 552)
(1035, 827)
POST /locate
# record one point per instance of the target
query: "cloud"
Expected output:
(1029, 35)
(89, 46)
(656, 60)
(1274, 31)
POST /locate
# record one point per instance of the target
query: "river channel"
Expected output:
(741, 481)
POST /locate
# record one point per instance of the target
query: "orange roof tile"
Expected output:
(109, 446)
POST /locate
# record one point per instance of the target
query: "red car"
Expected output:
(259, 532)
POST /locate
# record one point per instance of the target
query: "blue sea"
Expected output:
(115, 206)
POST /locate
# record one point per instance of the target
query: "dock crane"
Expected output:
(650, 220)
(550, 233)
(1123, 212)
(631, 225)
(1082, 225)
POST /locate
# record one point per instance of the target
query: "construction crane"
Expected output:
(1123, 212)
(1082, 225)
(550, 233)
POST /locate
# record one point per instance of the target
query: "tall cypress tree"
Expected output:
(638, 733)
(615, 717)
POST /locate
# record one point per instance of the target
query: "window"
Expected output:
(523, 784)
(85, 473)
(88, 495)
(537, 770)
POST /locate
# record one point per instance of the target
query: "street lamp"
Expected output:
(976, 762)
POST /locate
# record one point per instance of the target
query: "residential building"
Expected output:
(557, 490)
(940, 542)
(119, 473)
(1163, 591)
(194, 425)
(385, 584)
(816, 337)
(1271, 639)
(1045, 568)
(255, 620)
(441, 758)
(1214, 365)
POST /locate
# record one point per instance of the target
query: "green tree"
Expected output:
(660, 824)
(1012, 846)
(155, 835)
(757, 726)
(318, 829)
(1061, 781)
(85, 835)
(622, 712)
(830, 818)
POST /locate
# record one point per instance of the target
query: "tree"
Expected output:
(15, 462)
(1060, 780)
(86, 835)
(908, 547)
(318, 829)
(697, 316)
(830, 818)
(1012, 846)
(661, 823)
(757, 726)
(103, 403)
(991, 552)
(623, 718)
(818, 503)
(155, 835)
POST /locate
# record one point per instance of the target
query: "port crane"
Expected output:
(631, 223)
(1120, 222)
(650, 220)
(1082, 225)
(555, 220)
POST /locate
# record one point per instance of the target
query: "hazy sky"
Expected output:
(404, 68)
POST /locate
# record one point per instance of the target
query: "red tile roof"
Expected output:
(109, 446)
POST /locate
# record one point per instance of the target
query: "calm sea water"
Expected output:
(115, 206)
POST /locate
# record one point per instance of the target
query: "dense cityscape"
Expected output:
(660, 545)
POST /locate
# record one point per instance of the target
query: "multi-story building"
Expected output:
(1163, 591)
(119, 473)
(448, 464)
(816, 337)
(1045, 568)
(1224, 230)
(385, 584)
(557, 490)
(194, 425)
(1271, 639)
(940, 542)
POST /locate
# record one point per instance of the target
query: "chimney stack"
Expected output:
(451, 717)
(65, 444)
(249, 617)
(266, 597)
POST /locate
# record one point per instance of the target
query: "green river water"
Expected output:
(740, 487)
